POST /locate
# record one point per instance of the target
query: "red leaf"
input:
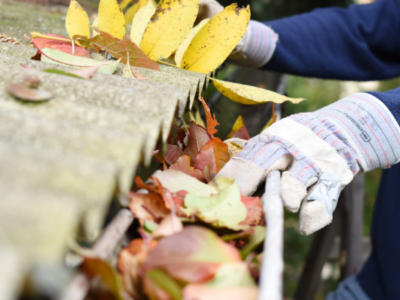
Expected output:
(134, 247)
(239, 130)
(242, 133)
(254, 210)
(172, 154)
(41, 43)
(119, 49)
(214, 154)
(211, 121)
(198, 137)
(192, 255)
(183, 164)
(179, 197)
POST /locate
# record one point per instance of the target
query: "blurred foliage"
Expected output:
(265, 10)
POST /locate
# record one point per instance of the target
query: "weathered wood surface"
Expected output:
(187, 80)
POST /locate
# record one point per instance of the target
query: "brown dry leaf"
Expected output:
(183, 164)
(211, 121)
(172, 154)
(4, 38)
(25, 93)
(129, 261)
(198, 137)
(214, 154)
(149, 207)
(136, 246)
(120, 49)
(154, 187)
(170, 225)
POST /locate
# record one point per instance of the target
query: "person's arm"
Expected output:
(361, 42)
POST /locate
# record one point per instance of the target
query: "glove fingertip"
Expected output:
(313, 217)
(292, 191)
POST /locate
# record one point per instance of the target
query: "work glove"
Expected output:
(257, 45)
(319, 154)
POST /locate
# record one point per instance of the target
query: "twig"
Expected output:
(102, 248)
(272, 265)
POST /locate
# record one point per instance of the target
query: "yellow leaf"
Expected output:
(169, 27)
(77, 21)
(124, 4)
(238, 124)
(132, 11)
(140, 21)
(250, 95)
(95, 24)
(198, 119)
(216, 40)
(183, 47)
(111, 18)
(233, 149)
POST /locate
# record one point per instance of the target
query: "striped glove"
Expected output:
(319, 154)
(257, 45)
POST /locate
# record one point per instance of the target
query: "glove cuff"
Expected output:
(370, 128)
(256, 47)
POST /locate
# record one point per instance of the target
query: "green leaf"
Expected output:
(176, 181)
(232, 282)
(232, 275)
(60, 72)
(224, 209)
(257, 239)
(165, 282)
(61, 58)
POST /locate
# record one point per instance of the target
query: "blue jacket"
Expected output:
(360, 43)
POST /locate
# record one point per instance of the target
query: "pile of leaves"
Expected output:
(162, 33)
(199, 234)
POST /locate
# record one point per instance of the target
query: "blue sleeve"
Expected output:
(361, 42)
(391, 99)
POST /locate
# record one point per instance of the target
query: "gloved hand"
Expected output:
(319, 154)
(257, 45)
